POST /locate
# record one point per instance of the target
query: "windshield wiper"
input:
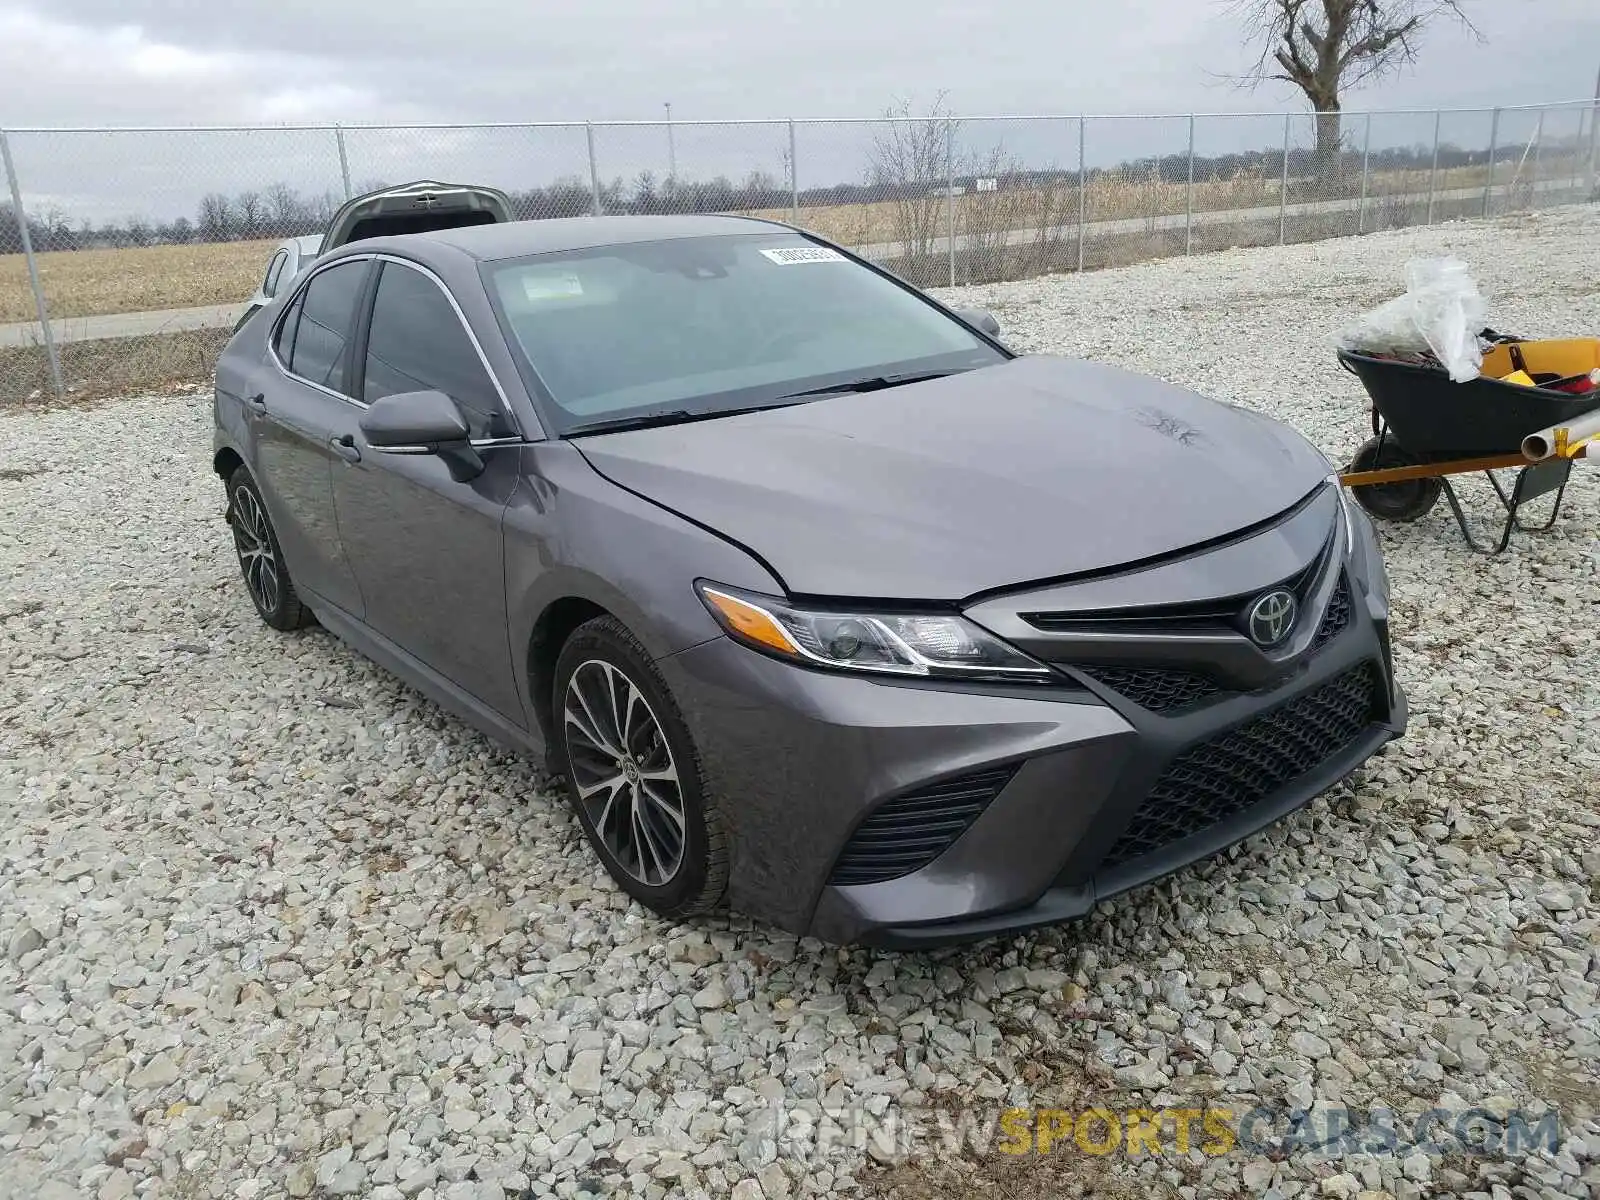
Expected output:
(675, 416)
(875, 383)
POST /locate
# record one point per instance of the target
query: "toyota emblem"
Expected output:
(1271, 617)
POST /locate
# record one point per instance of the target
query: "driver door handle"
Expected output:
(257, 402)
(344, 445)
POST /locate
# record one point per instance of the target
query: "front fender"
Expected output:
(572, 534)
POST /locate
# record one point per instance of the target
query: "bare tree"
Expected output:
(252, 214)
(320, 209)
(287, 212)
(644, 192)
(139, 232)
(1014, 223)
(1328, 47)
(909, 172)
(216, 218)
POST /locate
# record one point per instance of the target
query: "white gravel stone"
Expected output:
(268, 915)
(584, 1076)
(1322, 889)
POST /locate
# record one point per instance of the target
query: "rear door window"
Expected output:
(417, 343)
(328, 306)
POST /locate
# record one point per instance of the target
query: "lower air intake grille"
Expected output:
(1216, 779)
(1155, 688)
(906, 833)
(1337, 618)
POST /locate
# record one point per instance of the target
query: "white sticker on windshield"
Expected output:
(788, 256)
(551, 287)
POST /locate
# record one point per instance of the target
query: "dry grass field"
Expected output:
(83, 283)
(93, 282)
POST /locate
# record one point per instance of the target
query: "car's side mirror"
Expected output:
(413, 421)
(423, 423)
(982, 318)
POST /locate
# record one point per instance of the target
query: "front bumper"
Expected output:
(805, 763)
(799, 759)
(1069, 898)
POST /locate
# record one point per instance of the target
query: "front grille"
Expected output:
(1222, 615)
(908, 832)
(1240, 767)
(1155, 688)
(1337, 617)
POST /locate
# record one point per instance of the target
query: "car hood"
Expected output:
(1034, 469)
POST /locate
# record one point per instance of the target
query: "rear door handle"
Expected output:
(257, 402)
(344, 445)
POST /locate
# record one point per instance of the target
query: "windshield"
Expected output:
(713, 323)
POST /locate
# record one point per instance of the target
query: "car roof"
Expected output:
(512, 239)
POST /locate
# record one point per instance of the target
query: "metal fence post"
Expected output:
(1594, 137)
(344, 160)
(1188, 198)
(1494, 145)
(1577, 155)
(1283, 187)
(1083, 191)
(33, 268)
(594, 169)
(1433, 171)
(950, 194)
(794, 179)
(1366, 157)
(1538, 146)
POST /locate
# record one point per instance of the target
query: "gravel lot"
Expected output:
(272, 924)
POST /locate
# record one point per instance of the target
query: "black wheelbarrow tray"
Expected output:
(1427, 427)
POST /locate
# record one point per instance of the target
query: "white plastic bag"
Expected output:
(1441, 311)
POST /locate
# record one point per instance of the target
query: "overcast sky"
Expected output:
(72, 62)
(215, 62)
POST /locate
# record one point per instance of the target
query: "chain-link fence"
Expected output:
(126, 255)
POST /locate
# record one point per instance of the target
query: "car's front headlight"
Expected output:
(910, 643)
(1346, 509)
(1361, 545)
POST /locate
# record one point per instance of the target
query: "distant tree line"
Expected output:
(280, 211)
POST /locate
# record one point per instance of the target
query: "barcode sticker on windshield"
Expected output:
(551, 287)
(788, 256)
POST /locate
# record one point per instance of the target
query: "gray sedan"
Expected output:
(825, 604)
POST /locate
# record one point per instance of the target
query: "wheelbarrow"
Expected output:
(1427, 428)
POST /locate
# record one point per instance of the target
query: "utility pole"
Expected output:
(672, 150)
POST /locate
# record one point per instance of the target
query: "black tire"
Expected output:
(1405, 501)
(260, 556)
(600, 653)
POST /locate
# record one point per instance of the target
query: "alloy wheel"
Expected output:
(624, 772)
(252, 537)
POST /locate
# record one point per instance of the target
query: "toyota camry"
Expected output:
(825, 604)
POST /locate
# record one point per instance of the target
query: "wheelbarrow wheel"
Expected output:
(1405, 501)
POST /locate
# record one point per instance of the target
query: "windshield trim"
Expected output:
(557, 419)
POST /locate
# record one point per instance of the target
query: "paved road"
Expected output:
(120, 325)
(221, 316)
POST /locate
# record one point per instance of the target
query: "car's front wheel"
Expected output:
(266, 575)
(633, 775)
